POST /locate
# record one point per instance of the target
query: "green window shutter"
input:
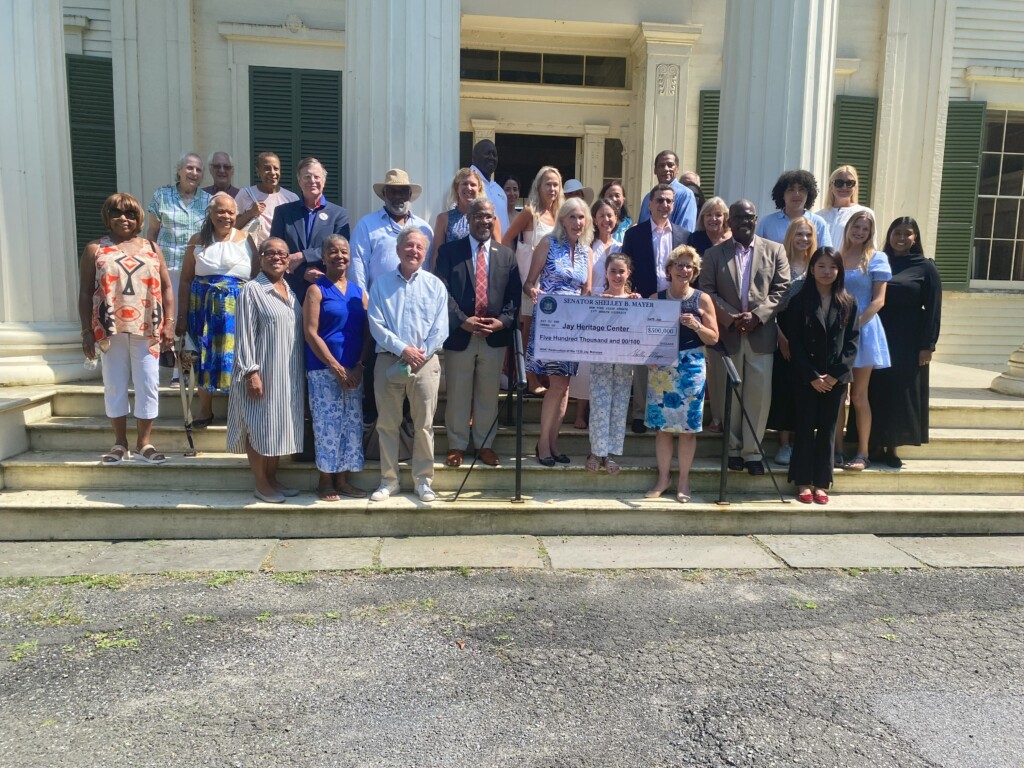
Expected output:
(707, 140)
(297, 113)
(93, 148)
(958, 197)
(853, 140)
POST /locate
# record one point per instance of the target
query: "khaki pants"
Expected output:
(474, 385)
(755, 370)
(421, 389)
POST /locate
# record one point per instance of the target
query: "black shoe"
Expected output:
(639, 427)
(892, 460)
(736, 463)
(548, 462)
(755, 467)
(561, 458)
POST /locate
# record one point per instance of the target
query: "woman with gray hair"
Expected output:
(562, 264)
(177, 211)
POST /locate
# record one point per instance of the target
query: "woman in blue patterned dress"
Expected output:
(219, 260)
(675, 393)
(334, 319)
(562, 264)
(453, 224)
(867, 273)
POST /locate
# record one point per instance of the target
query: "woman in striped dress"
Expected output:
(265, 407)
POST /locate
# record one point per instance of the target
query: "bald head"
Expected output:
(742, 220)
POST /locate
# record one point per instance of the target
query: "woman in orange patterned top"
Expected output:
(126, 306)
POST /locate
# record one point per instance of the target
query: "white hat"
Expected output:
(573, 185)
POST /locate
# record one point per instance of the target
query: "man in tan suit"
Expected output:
(746, 277)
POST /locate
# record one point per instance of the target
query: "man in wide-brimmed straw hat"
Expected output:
(374, 240)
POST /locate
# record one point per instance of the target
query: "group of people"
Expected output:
(314, 331)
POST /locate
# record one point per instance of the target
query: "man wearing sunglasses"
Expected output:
(222, 169)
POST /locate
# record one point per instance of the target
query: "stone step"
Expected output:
(92, 433)
(81, 470)
(147, 515)
(950, 407)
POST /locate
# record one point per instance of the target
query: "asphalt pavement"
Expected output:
(900, 668)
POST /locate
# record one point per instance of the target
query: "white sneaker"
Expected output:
(425, 492)
(384, 492)
(784, 455)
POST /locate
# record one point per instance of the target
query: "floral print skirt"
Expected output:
(675, 394)
(337, 423)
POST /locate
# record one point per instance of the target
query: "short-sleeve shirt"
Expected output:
(178, 221)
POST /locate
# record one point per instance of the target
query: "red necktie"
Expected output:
(481, 282)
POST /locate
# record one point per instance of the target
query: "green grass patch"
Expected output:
(292, 578)
(22, 651)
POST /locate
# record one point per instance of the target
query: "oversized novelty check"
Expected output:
(589, 328)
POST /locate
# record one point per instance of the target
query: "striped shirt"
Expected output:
(178, 222)
(268, 339)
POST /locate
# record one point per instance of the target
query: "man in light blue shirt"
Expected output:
(794, 195)
(408, 317)
(374, 240)
(684, 210)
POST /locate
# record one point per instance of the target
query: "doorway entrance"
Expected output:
(522, 155)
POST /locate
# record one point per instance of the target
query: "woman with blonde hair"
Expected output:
(712, 226)
(537, 219)
(867, 273)
(562, 265)
(800, 241)
(841, 202)
(675, 393)
(453, 224)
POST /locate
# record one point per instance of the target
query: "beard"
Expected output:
(397, 211)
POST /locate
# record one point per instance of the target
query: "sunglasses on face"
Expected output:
(840, 183)
(116, 213)
(222, 166)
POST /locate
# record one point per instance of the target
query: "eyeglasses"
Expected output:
(116, 213)
(275, 255)
(687, 267)
(840, 183)
(222, 166)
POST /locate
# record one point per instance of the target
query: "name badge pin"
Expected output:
(323, 216)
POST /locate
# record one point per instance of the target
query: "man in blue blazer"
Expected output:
(648, 245)
(484, 290)
(304, 224)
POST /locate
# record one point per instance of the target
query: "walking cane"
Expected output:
(187, 367)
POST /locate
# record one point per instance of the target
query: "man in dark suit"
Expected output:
(648, 245)
(746, 277)
(304, 224)
(484, 290)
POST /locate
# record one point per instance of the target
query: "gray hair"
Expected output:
(213, 199)
(184, 159)
(409, 231)
(209, 160)
(587, 236)
(333, 239)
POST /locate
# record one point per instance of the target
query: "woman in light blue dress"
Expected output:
(562, 264)
(867, 273)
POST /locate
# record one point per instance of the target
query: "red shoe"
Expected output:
(805, 497)
(820, 496)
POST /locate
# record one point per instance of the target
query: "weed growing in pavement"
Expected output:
(463, 570)
(380, 570)
(890, 637)
(106, 581)
(803, 605)
(332, 615)
(193, 618)
(220, 579)
(406, 606)
(43, 609)
(307, 619)
(265, 616)
(22, 651)
(886, 619)
(105, 641)
(292, 578)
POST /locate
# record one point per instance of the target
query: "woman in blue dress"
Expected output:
(867, 273)
(675, 393)
(562, 264)
(453, 224)
(334, 321)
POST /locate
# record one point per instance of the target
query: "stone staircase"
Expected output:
(968, 479)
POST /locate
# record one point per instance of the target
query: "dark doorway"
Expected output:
(522, 155)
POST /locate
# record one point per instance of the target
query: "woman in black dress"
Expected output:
(913, 307)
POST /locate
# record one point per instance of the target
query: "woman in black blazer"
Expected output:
(821, 325)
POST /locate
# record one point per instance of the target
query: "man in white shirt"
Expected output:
(374, 240)
(408, 317)
(485, 162)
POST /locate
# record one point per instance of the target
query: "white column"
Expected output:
(151, 48)
(402, 98)
(908, 168)
(483, 129)
(592, 174)
(777, 92)
(1011, 381)
(40, 340)
(661, 75)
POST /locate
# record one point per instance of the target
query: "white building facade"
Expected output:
(925, 97)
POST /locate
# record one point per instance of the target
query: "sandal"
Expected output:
(820, 496)
(352, 492)
(327, 493)
(202, 423)
(115, 455)
(148, 454)
(611, 466)
(714, 427)
(857, 464)
(593, 463)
